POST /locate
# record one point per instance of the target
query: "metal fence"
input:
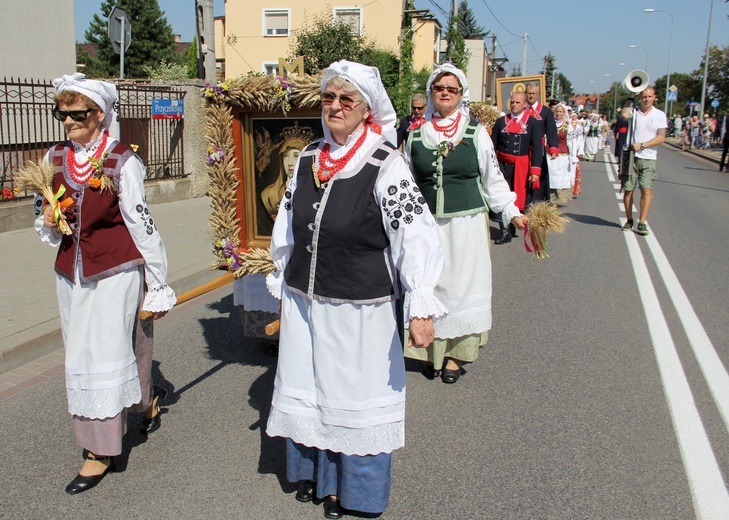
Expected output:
(27, 128)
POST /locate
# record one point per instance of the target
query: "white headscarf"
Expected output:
(448, 67)
(368, 83)
(102, 93)
(567, 110)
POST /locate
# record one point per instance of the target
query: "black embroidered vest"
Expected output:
(339, 252)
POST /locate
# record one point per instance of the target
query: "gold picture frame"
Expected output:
(504, 87)
(268, 146)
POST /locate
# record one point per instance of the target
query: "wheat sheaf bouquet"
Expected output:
(38, 177)
(543, 218)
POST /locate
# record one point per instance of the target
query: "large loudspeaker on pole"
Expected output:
(636, 81)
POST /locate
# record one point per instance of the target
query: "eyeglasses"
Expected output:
(76, 115)
(441, 88)
(417, 108)
(531, 93)
(345, 101)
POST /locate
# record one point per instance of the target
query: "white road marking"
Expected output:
(711, 500)
(708, 490)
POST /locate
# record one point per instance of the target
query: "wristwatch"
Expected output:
(642, 146)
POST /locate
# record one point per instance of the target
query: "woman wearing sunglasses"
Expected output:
(109, 268)
(350, 221)
(453, 162)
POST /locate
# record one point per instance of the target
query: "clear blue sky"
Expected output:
(589, 38)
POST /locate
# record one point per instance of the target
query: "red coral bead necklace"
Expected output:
(82, 172)
(329, 167)
(448, 130)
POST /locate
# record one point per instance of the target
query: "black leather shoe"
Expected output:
(306, 491)
(451, 376)
(81, 483)
(332, 508)
(505, 237)
(430, 372)
(512, 231)
(153, 424)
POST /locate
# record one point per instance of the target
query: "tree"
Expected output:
(456, 51)
(563, 89)
(153, 41)
(689, 87)
(88, 65)
(407, 48)
(323, 42)
(549, 74)
(191, 59)
(467, 24)
(717, 77)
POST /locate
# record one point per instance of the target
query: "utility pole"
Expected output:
(523, 69)
(706, 61)
(205, 22)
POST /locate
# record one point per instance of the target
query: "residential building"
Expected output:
(426, 41)
(39, 41)
(259, 32)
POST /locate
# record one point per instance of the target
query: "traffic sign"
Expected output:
(715, 103)
(119, 27)
(672, 95)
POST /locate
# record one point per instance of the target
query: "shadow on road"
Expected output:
(591, 220)
(225, 342)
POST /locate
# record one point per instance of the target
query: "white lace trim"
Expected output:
(423, 303)
(274, 283)
(455, 327)
(158, 299)
(103, 403)
(372, 440)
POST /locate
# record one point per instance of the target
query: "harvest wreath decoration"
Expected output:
(258, 93)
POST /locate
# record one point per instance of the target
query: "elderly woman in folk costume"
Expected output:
(351, 220)
(453, 161)
(110, 267)
(560, 182)
(576, 143)
(592, 136)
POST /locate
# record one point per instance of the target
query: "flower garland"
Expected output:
(259, 93)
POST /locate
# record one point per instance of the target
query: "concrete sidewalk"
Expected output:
(713, 154)
(29, 323)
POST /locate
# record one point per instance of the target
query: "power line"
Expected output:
(439, 9)
(501, 24)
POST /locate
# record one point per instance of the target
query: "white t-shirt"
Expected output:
(646, 128)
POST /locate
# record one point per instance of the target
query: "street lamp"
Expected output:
(670, 45)
(646, 54)
(706, 60)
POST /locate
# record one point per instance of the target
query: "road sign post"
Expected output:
(120, 34)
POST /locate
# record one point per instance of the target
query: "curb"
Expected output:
(49, 334)
(697, 153)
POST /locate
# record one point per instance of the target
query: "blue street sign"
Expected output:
(672, 95)
(168, 108)
(715, 103)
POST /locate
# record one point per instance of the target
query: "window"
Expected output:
(275, 22)
(351, 16)
(270, 68)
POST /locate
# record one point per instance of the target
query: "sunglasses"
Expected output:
(441, 88)
(345, 101)
(417, 108)
(76, 115)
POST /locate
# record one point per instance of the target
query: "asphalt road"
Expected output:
(600, 394)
